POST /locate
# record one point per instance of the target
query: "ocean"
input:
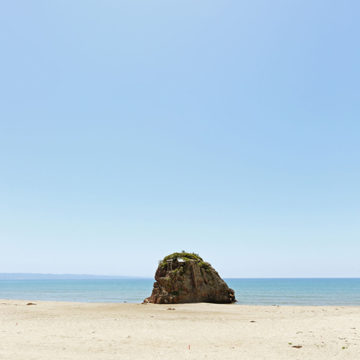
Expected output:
(248, 291)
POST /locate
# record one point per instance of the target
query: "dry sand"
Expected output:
(55, 330)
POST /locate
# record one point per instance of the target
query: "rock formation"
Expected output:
(187, 278)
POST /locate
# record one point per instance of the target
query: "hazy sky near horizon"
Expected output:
(131, 129)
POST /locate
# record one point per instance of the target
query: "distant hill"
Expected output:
(27, 276)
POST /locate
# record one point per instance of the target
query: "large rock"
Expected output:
(186, 278)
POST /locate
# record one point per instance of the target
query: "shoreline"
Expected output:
(74, 302)
(74, 330)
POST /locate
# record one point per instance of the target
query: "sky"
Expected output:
(133, 129)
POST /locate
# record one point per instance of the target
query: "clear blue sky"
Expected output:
(131, 129)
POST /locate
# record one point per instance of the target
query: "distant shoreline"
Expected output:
(40, 276)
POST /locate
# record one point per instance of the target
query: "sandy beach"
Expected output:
(57, 330)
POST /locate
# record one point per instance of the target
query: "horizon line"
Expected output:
(148, 277)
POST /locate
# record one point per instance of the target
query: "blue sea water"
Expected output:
(248, 291)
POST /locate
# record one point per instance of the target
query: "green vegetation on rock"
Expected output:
(182, 255)
(205, 265)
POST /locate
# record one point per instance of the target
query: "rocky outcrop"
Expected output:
(187, 278)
